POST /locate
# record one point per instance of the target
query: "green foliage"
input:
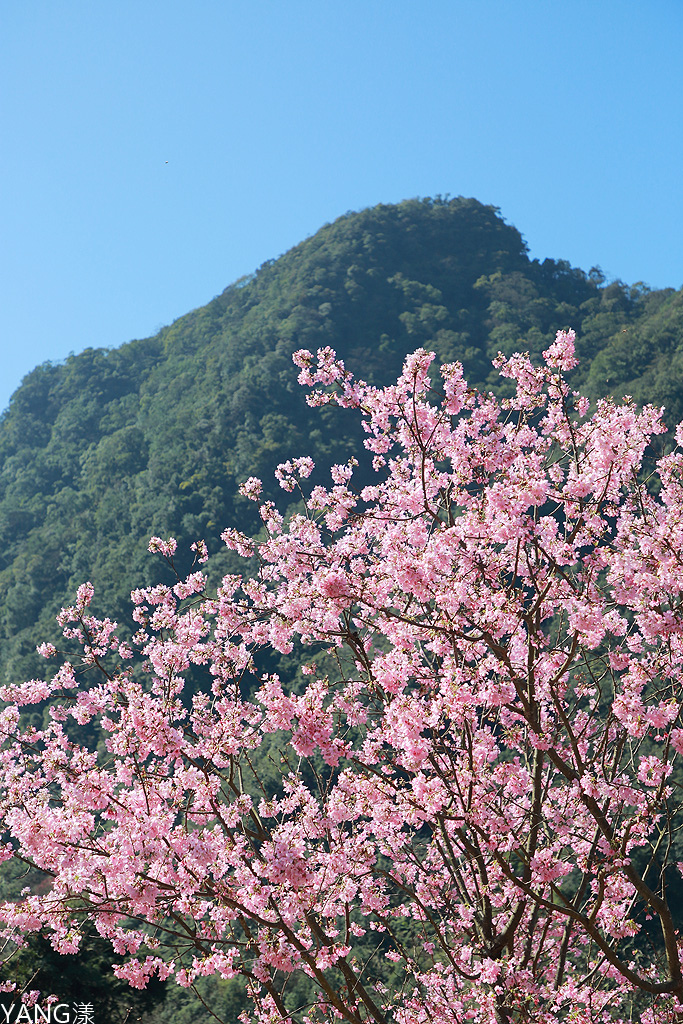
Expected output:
(83, 977)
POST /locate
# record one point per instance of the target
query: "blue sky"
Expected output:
(153, 152)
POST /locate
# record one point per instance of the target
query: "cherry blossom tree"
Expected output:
(464, 804)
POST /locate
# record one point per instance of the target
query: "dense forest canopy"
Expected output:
(101, 451)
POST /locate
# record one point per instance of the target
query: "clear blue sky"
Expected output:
(153, 152)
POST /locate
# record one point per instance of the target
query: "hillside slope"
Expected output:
(101, 451)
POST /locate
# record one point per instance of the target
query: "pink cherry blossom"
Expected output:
(465, 773)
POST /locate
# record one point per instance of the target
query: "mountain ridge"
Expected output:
(110, 446)
(102, 450)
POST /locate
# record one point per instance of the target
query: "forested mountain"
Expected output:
(101, 451)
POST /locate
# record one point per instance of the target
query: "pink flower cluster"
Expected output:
(472, 782)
